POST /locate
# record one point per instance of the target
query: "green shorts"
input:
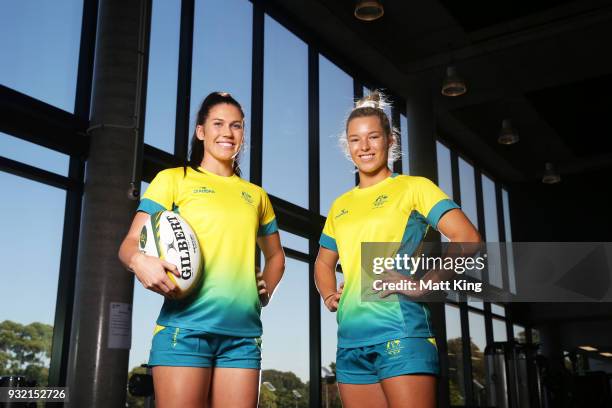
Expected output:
(173, 346)
(371, 364)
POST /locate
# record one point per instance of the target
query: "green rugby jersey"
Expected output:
(227, 214)
(398, 209)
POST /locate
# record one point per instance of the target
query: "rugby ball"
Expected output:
(168, 236)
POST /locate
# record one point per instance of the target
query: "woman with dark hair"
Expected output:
(386, 355)
(206, 349)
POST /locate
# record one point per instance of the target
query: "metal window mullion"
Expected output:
(314, 301)
(396, 124)
(183, 83)
(357, 94)
(467, 351)
(58, 368)
(257, 92)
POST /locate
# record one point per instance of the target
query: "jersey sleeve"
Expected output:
(328, 236)
(160, 194)
(431, 202)
(267, 218)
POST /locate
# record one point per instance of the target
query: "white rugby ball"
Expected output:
(168, 236)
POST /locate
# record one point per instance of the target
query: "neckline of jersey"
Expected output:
(224, 179)
(376, 186)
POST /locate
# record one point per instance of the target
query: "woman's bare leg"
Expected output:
(234, 387)
(362, 396)
(181, 387)
(410, 391)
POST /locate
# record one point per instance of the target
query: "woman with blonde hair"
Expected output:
(386, 355)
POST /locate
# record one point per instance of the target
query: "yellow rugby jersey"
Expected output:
(398, 209)
(227, 214)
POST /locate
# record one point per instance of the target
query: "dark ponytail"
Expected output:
(196, 150)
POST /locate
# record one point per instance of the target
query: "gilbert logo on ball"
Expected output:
(168, 236)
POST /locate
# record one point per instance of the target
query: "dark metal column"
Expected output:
(98, 362)
(257, 93)
(422, 162)
(314, 300)
(183, 93)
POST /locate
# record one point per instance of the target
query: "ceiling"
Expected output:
(545, 64)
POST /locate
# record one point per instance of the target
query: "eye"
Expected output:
(237, 126)
(217, 123)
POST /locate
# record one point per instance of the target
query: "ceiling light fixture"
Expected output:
(369, 10)
(606, 354)
(552, 177)
(507, 135)
(453, 84)
(587, 348)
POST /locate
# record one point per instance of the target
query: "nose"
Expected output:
(364, 144)
(227, 131)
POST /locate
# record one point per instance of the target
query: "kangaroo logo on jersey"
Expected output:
(380, 201)
(247, 197)
(174, 337)
(342, 212)
(258, 342)
(394, 347)
(203, 190)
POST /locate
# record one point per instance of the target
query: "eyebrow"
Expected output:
(233, 121)
(370, 133)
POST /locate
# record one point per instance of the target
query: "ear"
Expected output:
(391, 139)
(200, 132)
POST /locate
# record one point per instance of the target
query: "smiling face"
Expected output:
(368, 144)
(222, 133)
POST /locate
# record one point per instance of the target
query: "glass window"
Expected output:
(223, 65)
(285, 129)
(27, 304)
(288, 355)
(454, 344)
(478, 344)
(41, 39)
(519, 333)
(499, 330)
(293, 241)
(160, 117)
(535, 336)
(468, 200)
(329, 341)
(508, 230)
(475, 302)
(445, 174)
(468, 191)
(337, 172)
(404, 142)
(29, 153)
(498, 310)
(491, 231)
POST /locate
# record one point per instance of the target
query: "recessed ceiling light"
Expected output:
(606, 354)
(453, 84)
(587, 348)
(550, 174)
(507, 135)
(369, 10)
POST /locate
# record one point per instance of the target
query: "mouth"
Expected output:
(226, 144)
(367, 157)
